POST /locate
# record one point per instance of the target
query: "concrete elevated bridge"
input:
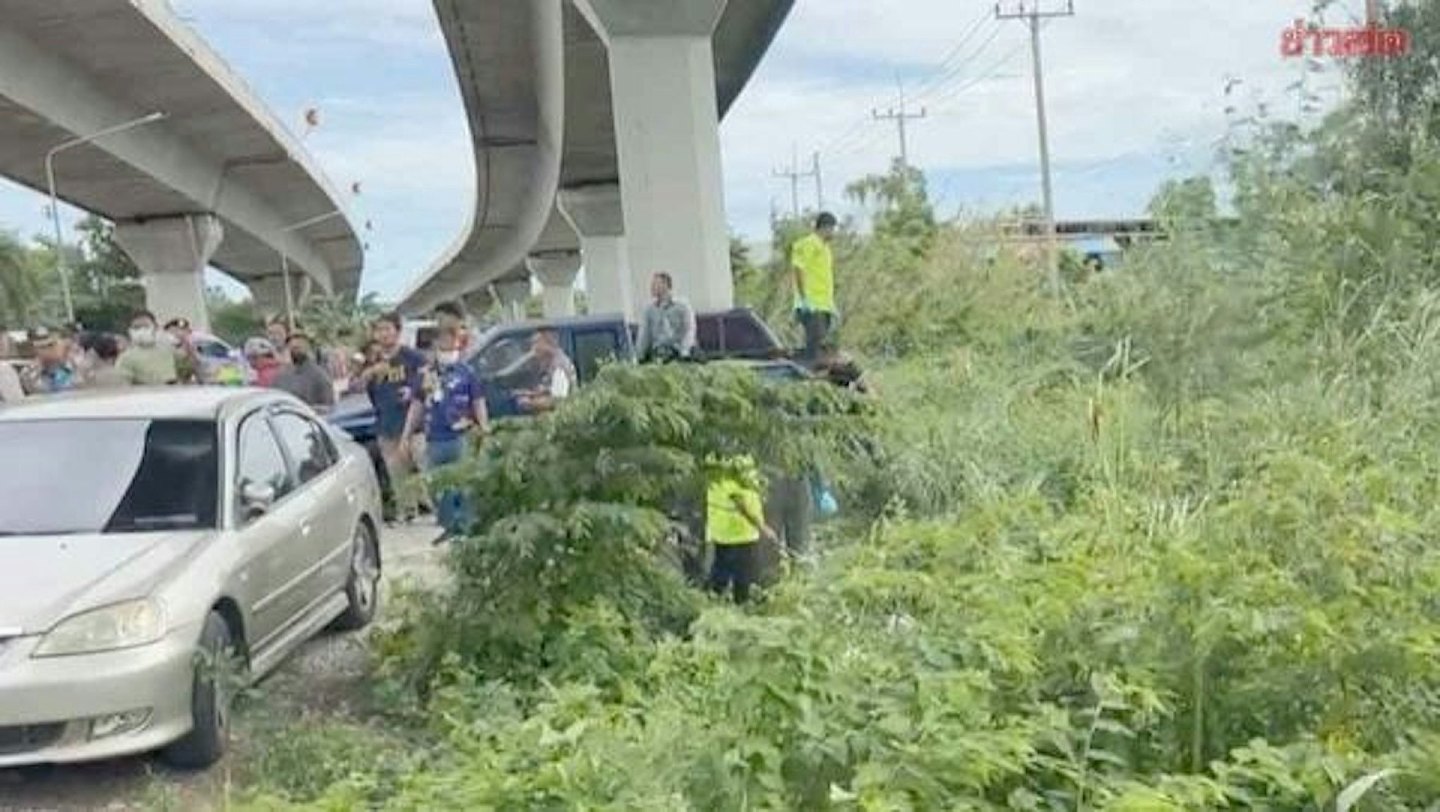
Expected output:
(217, 180)
(596, 133)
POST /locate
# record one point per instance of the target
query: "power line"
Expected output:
(957, 72)
(1033, 16)
(943, 68)
(943, 71)
(984, 76)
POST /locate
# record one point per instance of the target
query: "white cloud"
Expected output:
(1123, 78)
(1135, 87)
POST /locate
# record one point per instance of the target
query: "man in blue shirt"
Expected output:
(393, 384)
(453, 409)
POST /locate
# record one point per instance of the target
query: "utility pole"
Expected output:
(901, 117)
(795, 176)
(819, 182)
(1034, 15)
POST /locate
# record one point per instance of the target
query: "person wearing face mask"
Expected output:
(304, 378)
(147, 361)
(452, 409)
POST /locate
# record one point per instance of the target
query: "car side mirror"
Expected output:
(256, 498)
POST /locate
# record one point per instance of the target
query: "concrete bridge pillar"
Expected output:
(596, 214)
(667, 129)
(556, 272)
(513, 295)
(477, 303)
(171, 254)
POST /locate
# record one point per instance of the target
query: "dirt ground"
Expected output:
(322, 675)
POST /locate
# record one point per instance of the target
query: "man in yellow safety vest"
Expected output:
(813, 267)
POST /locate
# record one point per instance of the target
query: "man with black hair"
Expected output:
(304, 378)
(667, 331)
(812, 266)
(451, 316)
(393, 382)
(558, 379)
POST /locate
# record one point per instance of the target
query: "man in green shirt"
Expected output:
(148, 361)
(813, 266)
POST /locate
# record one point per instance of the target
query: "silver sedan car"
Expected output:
(149, 536)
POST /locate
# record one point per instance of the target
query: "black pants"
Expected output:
(737, 566)
(816, 325)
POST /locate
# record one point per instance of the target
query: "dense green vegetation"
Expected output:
(1167, 542)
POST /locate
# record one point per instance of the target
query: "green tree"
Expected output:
(334, 321)
(22, 283)
(104, 280)
(233, 320)
(900, 204)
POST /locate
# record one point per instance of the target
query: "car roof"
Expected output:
(594, 319)
(152, 403)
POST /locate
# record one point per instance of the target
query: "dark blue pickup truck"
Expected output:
(590, 341)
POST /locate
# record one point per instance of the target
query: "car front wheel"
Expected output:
(210, 699)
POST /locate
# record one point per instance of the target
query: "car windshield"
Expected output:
(107, 476)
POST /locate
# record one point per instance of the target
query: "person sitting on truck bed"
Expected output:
(557, 373)
(667, 331)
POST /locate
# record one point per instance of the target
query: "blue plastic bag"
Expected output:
(826, 505)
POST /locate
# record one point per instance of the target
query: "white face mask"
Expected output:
(142, 336)
(447, 357)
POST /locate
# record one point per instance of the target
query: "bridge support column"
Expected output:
(667, 129)
(477, 303)
(171, 254)
(513, 294)
(596, 214)
(556, 272)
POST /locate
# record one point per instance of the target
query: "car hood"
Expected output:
(44, 579)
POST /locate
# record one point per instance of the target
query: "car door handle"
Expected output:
(351, 494)
(305, 530)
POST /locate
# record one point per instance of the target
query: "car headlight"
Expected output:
(122, 625)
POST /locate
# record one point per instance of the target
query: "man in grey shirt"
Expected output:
(667, 331)
(304, 378)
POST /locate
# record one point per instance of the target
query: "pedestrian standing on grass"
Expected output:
(148, 361)
(393, 383)
(735, 525)
(667, 330)
(812, 266)
(305, 378)
(452, 411)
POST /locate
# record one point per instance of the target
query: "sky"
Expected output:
(1136, 93)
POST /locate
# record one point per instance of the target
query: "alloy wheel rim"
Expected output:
(365, 571)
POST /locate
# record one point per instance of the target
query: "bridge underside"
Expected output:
(625, 200)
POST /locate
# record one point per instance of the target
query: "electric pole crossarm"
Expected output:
(901, 117)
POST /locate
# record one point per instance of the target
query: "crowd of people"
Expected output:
(429, 405)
